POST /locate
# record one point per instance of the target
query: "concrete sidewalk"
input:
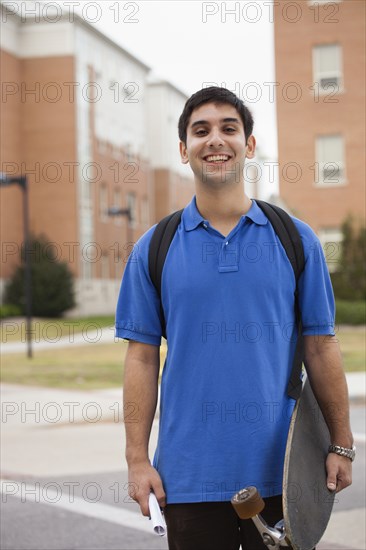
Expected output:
(356, 382)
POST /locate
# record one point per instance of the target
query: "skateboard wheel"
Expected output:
(247, 503)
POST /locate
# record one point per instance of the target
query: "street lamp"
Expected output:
(6, 181)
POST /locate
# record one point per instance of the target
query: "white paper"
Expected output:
(157, 518)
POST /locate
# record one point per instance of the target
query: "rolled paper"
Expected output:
(157, 518)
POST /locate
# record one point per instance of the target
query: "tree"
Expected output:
(52, 281)
(349, 281)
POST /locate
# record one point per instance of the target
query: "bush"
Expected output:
(349, 282)
(9, 310)
(350, 312)
(52, 282)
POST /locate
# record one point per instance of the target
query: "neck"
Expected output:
(222, 205)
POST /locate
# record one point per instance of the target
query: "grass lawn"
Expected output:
(97, 366)
(92, 366)
(14, 330)
(87, 367)
(353, 346)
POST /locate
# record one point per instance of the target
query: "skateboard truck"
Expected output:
(248, 504)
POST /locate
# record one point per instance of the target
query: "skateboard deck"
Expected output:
(307, 503)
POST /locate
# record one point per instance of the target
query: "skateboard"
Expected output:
(307, 503)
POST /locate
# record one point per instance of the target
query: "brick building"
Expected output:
(320, 75)
(81, 119)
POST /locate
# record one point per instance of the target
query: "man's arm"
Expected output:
(324, 367)
(141, 389)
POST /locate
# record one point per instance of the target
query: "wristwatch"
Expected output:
(343, 451)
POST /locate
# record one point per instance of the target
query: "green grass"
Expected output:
(352, 341)
(92, 366)
(97, 366)
(87, 367)
(14, 330)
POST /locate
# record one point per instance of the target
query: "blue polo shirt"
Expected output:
(229, 308)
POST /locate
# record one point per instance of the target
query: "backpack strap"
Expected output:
(288, 234)
(159, 246)
(290, 238)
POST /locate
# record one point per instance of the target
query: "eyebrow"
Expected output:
(224, 120)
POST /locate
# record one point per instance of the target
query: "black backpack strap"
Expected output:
(159, 246)
(287, 233)
(290, 238)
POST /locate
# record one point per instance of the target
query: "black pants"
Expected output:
(216, 526)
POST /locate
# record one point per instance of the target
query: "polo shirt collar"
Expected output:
(192, 218)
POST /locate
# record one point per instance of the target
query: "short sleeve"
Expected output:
(316, 298)
(138, 306)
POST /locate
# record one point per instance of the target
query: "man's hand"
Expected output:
(144, 479)
(339, 470)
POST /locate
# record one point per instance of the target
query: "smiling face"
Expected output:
(215, 147)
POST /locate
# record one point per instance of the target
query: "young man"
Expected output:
(228, 300)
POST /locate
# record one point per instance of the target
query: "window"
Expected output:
(117, 203)
(327, 67)
(128, 151)
(330, 168)
(105, 266)
(131, 204)
(331, 241)
(87, 269)
(145, 217)
(103, 203)
(87, 194)
(102, 146)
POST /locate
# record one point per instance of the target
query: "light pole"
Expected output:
(22, 181)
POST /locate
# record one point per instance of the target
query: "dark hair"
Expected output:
(218, 95)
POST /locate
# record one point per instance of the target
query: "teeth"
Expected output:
(213, 158)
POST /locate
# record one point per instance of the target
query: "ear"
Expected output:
(250, 147)
(183, 152)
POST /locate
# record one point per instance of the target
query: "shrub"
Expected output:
(52, 282)
(349, 282)
(350, 312)
(9, 310)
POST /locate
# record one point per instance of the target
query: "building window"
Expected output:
(117, 204)
(87, 269)
(330, 165)
(128, 151)
(103, 203)
(145, 217)
(327, 68)
(131, 204)
(331, 241)
(105, 274)
(87, 193)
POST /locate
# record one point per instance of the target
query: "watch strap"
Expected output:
(343, 451)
